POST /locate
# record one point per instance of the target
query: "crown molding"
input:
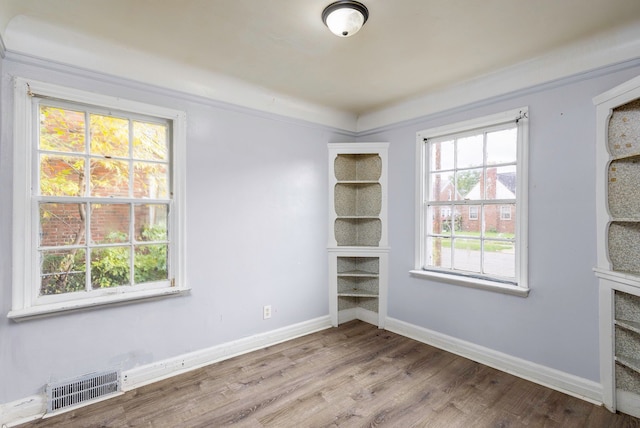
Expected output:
(602, 50)
(35, 38)
(38, 39)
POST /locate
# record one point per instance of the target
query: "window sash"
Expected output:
(26, 301)
(461, 130)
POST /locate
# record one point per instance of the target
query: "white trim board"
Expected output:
(575, 386)
(34, 407)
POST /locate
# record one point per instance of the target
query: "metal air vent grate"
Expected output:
(85, 388)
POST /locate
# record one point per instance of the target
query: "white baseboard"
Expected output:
(585, 389)
(34, 407)
(160, 370)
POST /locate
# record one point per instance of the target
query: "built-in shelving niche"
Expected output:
(358, 167)
(358, 200)
(618, 238)
(627, 342)
(358, 252)
(624, 130)
(358, 283)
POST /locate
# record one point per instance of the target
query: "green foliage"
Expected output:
(150, 263)
(63, 272)
(467, 180)
(69, 167)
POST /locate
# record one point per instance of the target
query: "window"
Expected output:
(482, 163)
(473, 212)
(98, 188)
(505, 212)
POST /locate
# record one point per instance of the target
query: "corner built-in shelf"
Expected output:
(358, 232)
(618, 239)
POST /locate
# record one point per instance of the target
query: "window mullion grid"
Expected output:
(484, 196)
(131, 205)
(86, 193)
(455, 192)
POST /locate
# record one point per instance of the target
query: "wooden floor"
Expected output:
(351, 376)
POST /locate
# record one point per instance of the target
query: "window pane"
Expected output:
(109, 178)
(499, 258)
(62, 224)
(151, 222)
(62, 271)
(441, 155)
(438, 252)
(109, 136)
(109, 223)
(469, 223)
(469, 151)
(501, 182)
(61, 130)
(150, 263)
(441, 188)
(496, 224)
(466, 254)
(501, 146)
(440, 218)
(149, 141)
(469, 186)
(110, 267)
(61, 175)
(150, 180)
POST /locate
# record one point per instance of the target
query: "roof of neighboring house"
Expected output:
(505, 187)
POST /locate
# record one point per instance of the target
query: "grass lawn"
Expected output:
(474, 244)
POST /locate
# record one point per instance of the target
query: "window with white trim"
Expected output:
(98, 200)
(483, 164)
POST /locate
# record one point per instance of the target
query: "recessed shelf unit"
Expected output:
(618, 234)
(358, 232)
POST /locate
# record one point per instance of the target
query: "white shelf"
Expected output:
(633, 326)
(357, 182)
(357, 293)
(630, 363)
(359, 274)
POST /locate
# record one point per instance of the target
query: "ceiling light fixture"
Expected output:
(345, 17)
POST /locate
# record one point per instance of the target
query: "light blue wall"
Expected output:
(557, 325)
(257, 229)
(257, 234)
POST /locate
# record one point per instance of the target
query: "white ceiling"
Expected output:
(407, 48)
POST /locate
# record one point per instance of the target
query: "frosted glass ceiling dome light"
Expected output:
(345, 18)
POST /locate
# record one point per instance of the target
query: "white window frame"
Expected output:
(26, 299)
(521, 288)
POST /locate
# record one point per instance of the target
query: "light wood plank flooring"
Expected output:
(351, 376)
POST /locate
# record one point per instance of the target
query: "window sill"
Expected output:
(481, 284)
(59, 308)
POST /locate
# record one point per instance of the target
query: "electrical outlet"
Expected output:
(266, 312)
